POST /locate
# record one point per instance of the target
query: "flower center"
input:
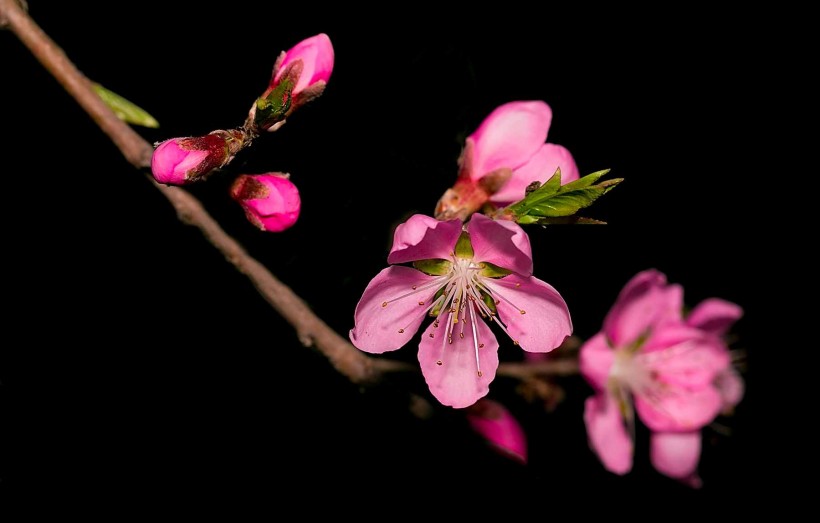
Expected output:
(463, 290)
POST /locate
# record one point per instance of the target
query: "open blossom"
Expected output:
(668, 369)
(271, 201)
(179, 161)
(463, 276)
(503, 156)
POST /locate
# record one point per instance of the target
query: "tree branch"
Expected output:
(311, 330)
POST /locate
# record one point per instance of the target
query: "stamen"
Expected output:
(494, 293)
(435, 283)
(401, 331)
(475, 343)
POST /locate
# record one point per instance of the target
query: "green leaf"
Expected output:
(556, 203)
(125, 110)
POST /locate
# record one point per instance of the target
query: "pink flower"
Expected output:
(650, 361)
(503, 156)
(179, 161)
(499, 427)
(460, 275)
(314, 56)
(271, 201)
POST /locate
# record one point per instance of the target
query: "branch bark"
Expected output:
(311, 330)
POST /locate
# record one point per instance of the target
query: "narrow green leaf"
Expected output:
(556, 203)
(125, 110)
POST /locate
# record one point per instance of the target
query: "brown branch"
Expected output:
(311, 330)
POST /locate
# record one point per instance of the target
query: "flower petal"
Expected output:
(539, 168)
(422, 238)
(499, 427)
(683, 356)
(675, 454)
(545, 321)
(607, 434)
(645, 301)
(317, 58)
(377, 327)
(595, 360)
(731, 387)
(503, 243)
(509, 136)
(456, 381)
(714, 315)
(678, 409)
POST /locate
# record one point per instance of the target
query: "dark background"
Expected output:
(160, 374)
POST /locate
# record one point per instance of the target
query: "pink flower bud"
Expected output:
(179, 161)
(271, 201)
(316, 57)
(494, 423)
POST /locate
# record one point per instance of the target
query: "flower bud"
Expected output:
(271, 201)
(316, 56)
(179, 161)
(299, 75)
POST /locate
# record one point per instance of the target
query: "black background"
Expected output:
(163, 379)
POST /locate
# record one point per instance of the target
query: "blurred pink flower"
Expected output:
(498, 426)
(650, 360)
(271, 201)
(460, 275)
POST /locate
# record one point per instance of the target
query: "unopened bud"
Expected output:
(179, 161)
(299, 75)
(271, 201)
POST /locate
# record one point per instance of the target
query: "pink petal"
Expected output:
(546, 320)
(377, 327)
(456, 381)
(677, 409)
(606, 433)
(682, 356)
(595, 360)
(714, 315)
(170, 163)
(645, 301)
(731, 387)
(499, 427)
(675, 454)
(509, 136)
(317, 58)
(539, 168)
(423, 238)
(503, 243)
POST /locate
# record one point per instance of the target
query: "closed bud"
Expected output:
(179, 161)
(271, 201)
